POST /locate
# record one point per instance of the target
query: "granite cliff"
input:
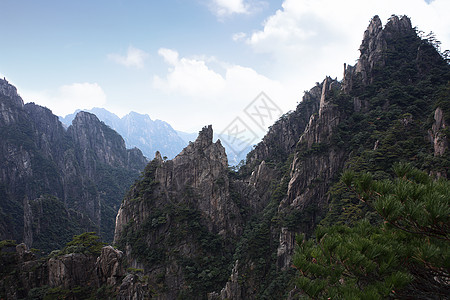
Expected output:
(376, 115)
(139, 131)
(180, 218)
(56, 182)
(191, 228)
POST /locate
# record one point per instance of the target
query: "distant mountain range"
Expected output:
(139, 130)
(314, 212)
(54, 181)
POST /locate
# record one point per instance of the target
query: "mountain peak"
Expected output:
(10, 91)
(376, 41)
(375, 26)
(396, 24)
(84, 117)
(205, 137)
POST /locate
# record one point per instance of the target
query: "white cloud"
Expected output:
(298, 45)
(226, 8)
(209, 96)
(134, 58)
(188, 76)
(67, 98)
(239, 36)
(229, 7)
(309, 39)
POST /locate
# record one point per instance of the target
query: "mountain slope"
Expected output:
(390, 107)
(140, 131)
(191, 228)
(56, 182)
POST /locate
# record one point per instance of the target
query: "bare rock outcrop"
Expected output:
(42, 162)
(183, 202)
(436, 134)
(373, 48)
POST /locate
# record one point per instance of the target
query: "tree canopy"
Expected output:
(406, 254)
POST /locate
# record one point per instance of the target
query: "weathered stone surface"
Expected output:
(232, 289)
(70, 270)
(132, 289)
(372, 49)
(109, 267)
(40, 157)
(437, 137)
(286, 248)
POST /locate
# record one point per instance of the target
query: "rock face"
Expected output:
(73, 177)
(174, 211)
(437, 137)
(190, 228)
(74, 276)
(315, 161)
(70, 270)
(139, 131)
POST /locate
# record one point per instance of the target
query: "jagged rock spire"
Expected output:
(373, 45)
(205, 137)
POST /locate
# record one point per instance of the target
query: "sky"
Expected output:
(190, 62)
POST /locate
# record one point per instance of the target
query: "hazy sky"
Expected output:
(188, 62)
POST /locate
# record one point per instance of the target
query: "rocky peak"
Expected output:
(10, 91)
(398, 25)
(92, 135)
(205, 137)
(84, 119)
(372, 47)
(374, 44)
(200, 166)
(327, 86)
(46, 123)
(374, 28)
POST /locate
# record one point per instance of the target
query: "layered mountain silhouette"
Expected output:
(140, 131)
(192, 228)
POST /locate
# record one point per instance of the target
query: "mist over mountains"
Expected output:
(140, 131)
(345, 197)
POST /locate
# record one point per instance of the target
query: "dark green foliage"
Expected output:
(256, 250)
(154, 244)
(56, 226)
(405, 255)
(112, 185)
(86, 243)
(169, 228)
(78, 292)
(147, 184)
(7, 256)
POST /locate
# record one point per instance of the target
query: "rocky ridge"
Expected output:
(191, 228)
(73, 275)
(186, 203)
(139, 131)
(309, 143)
(48, 168)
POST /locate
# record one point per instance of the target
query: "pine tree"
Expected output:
(406, 255)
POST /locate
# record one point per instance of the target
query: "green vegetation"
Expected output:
(56, 226)
(112, 184)
(156, 242)
(405, 254)
(86, 243)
